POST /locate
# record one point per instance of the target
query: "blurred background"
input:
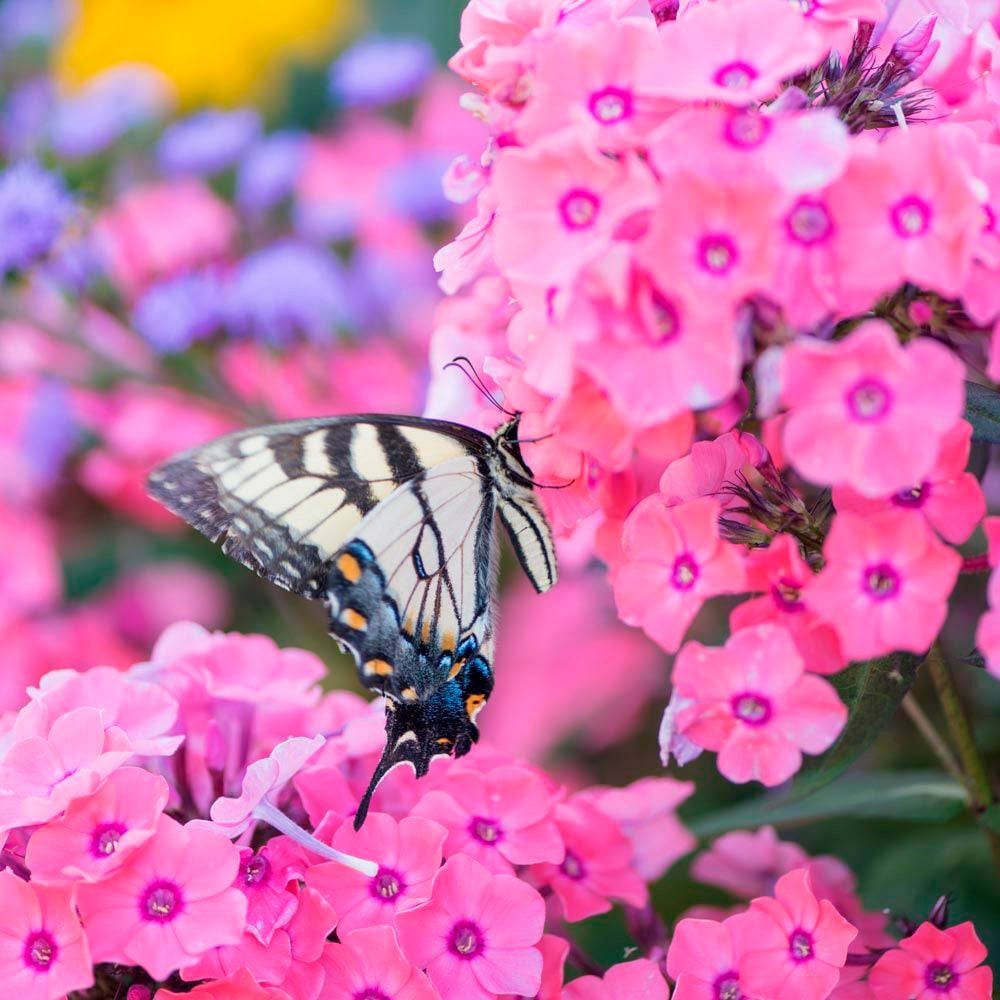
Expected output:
(235, 209)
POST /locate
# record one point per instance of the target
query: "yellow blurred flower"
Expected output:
(213, 51)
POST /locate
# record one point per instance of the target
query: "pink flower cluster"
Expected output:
(683, 202)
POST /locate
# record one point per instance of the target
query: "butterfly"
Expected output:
(389, 520)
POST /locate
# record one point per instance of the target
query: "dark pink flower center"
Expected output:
(727, 986)
(940, 977)
(685, 572)
(161, 902)
(371, 993)
(663, 323)
(736, 75)
(911, 216)
(915, 496)
(989, 219)
(387, 884)
(104, 839)
(717, 253)
(40, 951)
(573, 867)
(869, 400)
(578, 208)
(747, 129)
(752, 708)
(255, 872)
(800, 945)
(787, 594)
(488, 831)
(881, 581)
(809, 222)
(611, 105)
(466, 940)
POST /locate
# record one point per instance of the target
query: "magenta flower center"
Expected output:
(572, 867)
(727, 986)
(735, 75)
(664, 324)
(104, 840)
(256, 871)
(915, 496)
(40, 951)
(685, 572)
(747, 129)
(161, 902)
(466, 940)
(881, 581)
(610, 105)
(809, 222)
(371, 993)
(869, 400)
(717, 253)
(787, 594)
(989, 219)
(387, 884)
(752, 708)
(489, 831)
(579, 208)
(940, 977)
(911, 216)
(800, 946)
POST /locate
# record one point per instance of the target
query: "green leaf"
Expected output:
(990, 818)
(917, 796)
(982, 410)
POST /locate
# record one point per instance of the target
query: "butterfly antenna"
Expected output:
(553, 486)
(476, 379)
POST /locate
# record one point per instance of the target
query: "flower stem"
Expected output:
(934, 739)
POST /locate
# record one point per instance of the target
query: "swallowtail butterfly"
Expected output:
(389, 521)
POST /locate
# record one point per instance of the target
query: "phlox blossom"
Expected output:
(885, 584)
(674, 561)
(43, 950)
(264, 878)
(478, 933)
(308, 930)
(171, 902)
(97, 834)
(934, 964)
(30, 580)
(502, 818)
(408, 855)
(711, 466)
(747, 863)
(639, 979)
(865, 411)
(704, 962)
(597, 866)
(367, 962)
(792, 946)
(240, 986)
(753, 703)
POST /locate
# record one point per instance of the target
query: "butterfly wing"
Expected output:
(283, 499)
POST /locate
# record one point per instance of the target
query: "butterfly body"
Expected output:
(388, 521)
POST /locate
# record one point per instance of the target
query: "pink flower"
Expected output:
(312, 923)
(264, 879)
(99, 833)
(172, 901)
(560, 208)
(781, 573)
(640, 979)
(408, 855)
(240, 986)
(755, 705)
(792, 947)
(30, 576)
(674, 561)
(502, 818)
(368, 962)
(885, 584)
(43, 951)
(932, 964)
(597, 866)
(713, 465)
(735, 51)
(748, 864)
(950, 498)
(646, 812)
(477, 934)
(703, 961)
(854, 403)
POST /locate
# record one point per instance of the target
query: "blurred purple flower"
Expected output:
(207, 142)
(269, 171)
(286, 290)
(34, 207)
(49, 431)
(175, 313)
(380, 70)
(30, 22)
(24, 117)
(75, 262)
(414, 189)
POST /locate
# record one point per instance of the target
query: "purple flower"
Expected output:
(49, 431)
(286, 290)
(25, 116)
(34, 207)
(175, 313)
(269, 171)
(30, 22)
(207, 142)
(414, 189)
(381, 70)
